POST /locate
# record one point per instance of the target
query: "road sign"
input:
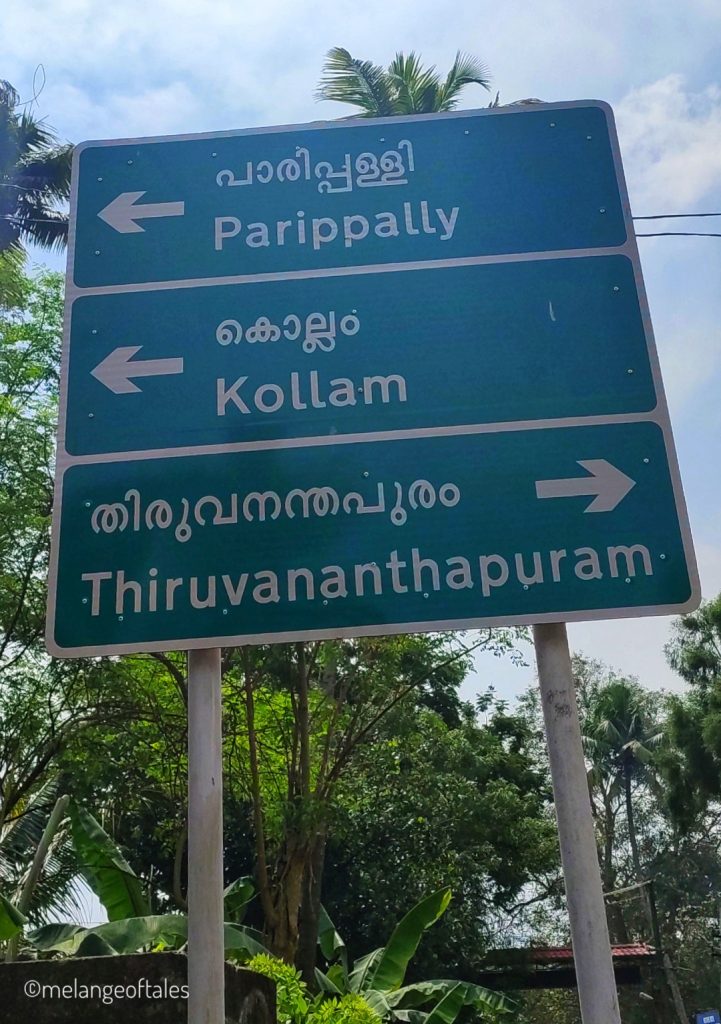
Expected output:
(450, 348)
(373, 537)
(295, 352)
(329, 196)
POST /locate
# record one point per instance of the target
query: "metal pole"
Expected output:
(579, 856)
(206, 961)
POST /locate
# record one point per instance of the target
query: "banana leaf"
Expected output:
(331, 944)
(386, 974)
(11, 920)
(447, 1009)
(132, 934)
(105, 869)
(237, 896)
(424, 992)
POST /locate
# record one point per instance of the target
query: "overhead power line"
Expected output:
(688, 234)
(671, 216)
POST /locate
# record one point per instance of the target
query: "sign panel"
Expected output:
(355, 355)
(359, 378)
(346, 194)
(374, 537)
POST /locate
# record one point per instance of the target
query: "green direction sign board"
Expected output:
(375, 537)
(445, 347)
(356, 378)
(337, 195)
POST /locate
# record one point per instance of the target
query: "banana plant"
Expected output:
(379, 975)
(130, 926)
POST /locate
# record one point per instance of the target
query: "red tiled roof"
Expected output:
(560, 953)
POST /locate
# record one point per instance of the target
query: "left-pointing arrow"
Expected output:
(116, 369)
(123, 212)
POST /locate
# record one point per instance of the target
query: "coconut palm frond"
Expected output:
(466, 70)
(360, 82)
(23, 833)
(50, 175)
(34, 178)
(416, 87)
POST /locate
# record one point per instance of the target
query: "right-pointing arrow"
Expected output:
(608, 485)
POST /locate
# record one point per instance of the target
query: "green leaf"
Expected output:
(56, 937)
(11, 920)
(237, 896)
(123, 936)
(378, 1002)
(331, 944)
(105, 869)
(326, 985)
(239, 938)
(388, 972)
(447, 1009)
(424, 992)
(132, 934)
(357, 980)
(94, 945)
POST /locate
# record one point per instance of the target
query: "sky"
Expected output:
(133, 69)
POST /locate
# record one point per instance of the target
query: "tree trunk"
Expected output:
(310, 912)
(632, 838)
(282, 933)
(667, 964)
(614, 911)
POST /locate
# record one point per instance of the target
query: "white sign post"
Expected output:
(579, 856)
(206, 961)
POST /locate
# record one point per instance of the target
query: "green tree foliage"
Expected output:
(404, 87)
(694, 776)
(430, 803)
(34, 178)
(44, 705)
(621, 739)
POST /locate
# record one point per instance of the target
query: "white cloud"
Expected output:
(165, 109)
(670, 142)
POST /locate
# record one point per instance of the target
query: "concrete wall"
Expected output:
(27, 998)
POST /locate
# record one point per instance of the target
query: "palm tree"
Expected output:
(621, 743)
(404, 87)
(34, 178)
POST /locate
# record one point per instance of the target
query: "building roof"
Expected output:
(564, 954)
